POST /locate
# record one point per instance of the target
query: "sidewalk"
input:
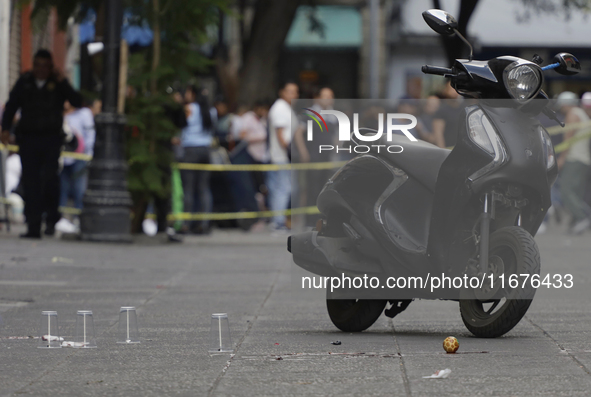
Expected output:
(176, 288)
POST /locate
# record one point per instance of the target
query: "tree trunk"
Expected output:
(269, 29)
(123, 67)
(156, 46)
(229, 81)
(155, 64)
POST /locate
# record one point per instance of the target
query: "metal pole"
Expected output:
(106, 214)
(374, 66)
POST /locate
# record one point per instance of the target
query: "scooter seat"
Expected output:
(421, 160)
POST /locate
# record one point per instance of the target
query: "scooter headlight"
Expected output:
(548, 148)
(523, 81)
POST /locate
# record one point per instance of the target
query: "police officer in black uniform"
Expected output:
(40, 95)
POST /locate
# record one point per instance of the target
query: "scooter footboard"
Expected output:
(328, 256)
(308, 255)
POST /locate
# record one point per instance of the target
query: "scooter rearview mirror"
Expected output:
(441, 22)
(569, 64)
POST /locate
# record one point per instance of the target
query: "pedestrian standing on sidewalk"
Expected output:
(223, 121)
(196, 140)
(73, 178)
(40, 95)
(250, 130)
(575, 164)
(281, 119)
(163, 202)
(314, 180)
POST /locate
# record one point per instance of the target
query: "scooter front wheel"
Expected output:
(354, 315)
(515, 251)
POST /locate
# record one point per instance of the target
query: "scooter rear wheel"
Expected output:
(354, 315)
(519, 254)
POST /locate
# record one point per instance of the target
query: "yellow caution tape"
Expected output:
(218, 167)
(258, 167)
(12, 148)
(571, 141)
(185, 216)
(218, 216)
(557, 130)
(70, 210)
(77, 156)
(213, 216)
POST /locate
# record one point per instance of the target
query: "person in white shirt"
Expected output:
(253, 131)
(250, 129)
(196, 140)
(575, 163)
(281, 122)
(73, 177)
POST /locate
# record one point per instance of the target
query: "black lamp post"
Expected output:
(106, 213)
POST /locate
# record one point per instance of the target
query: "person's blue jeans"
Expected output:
(196, 189)
(73, 183)
(243, 185)
(279, 185)
(573, 181)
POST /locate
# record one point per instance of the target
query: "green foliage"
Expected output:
(149, 132)
(65, 9)
(183, 25)
(148, 147)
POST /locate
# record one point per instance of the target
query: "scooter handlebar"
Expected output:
(436, 70)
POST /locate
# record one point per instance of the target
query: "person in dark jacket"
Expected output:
(40, 95)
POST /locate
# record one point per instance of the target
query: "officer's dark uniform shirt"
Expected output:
(39, 136)
(41, 108)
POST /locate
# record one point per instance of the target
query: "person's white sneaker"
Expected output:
(65, 226)
(149, 227)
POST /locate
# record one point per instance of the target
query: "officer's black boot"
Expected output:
(33, 231)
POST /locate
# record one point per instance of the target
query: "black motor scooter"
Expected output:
(470, 211)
